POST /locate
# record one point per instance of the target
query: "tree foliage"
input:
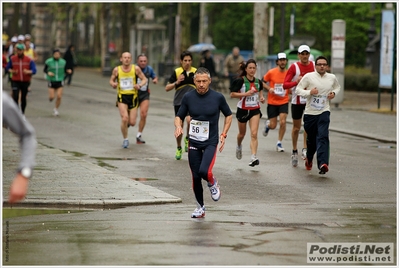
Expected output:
(316, 19)
(231, 24)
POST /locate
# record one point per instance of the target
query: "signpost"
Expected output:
(338, 57)
(387, 55)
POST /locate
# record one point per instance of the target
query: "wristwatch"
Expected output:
(26, 172)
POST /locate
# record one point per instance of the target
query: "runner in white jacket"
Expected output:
(321, 88)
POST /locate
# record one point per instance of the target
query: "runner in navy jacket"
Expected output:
(204, 106)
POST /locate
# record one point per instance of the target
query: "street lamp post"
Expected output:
(107, 57)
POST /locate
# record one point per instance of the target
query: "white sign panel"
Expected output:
(386, 52)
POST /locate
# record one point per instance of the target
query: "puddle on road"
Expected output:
(20, 212)
(106, 165)
(113, 158)
(76, 154)
(386, 147)
(144, 179)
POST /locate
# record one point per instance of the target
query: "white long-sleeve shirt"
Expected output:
(317, 104)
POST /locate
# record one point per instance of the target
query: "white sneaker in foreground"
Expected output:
(294, 159)
(238, 152)
(198, 212)
(55, 112)
(215, 190)
(254, 162)
(125, 144)
(279, 147)
(266, 130)
(304, 151)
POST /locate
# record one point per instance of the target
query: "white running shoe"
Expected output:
(304, 151)
(266, 130)
(254, 162)
(199, 212)
(279, 147)
(239, 152)
(125, 144)
(55, 112)
(294, 159)
(215, 190)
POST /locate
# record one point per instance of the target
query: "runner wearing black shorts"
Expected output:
(55, 85)
(144, 94)
(124, 79)
(131, 100)
(297, 110)
(248, 89)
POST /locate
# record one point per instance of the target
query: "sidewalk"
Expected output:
(63, 180)
(58, 175)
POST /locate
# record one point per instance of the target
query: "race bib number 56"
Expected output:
(199, 130)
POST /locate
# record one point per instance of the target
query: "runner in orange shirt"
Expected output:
(277, 99)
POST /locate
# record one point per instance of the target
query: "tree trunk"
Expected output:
(97, 30)
(203, 25)
(261, 27)
(28, 18)
(103, 32)
(14, 28)
(185, 21)
(125, 11)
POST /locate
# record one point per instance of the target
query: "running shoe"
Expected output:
(279, 147)
(55, 112)
(215, 190)
(304, 151)
(125, 144)
(294, 159)
(186, 144)
(254, 162)
(199, 212)
(239, 152)
(323, 169)
(139, 140)
(179, 152)
(266, 131)
(308, 164)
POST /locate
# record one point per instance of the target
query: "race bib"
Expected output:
(302, 100)
(318, 102)
(126, 83)
(143, 88)
(252, 101)
(199, 130)
(279, 90)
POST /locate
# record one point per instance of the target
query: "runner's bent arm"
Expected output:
(141, 75)
(114, 75)
(178, 128)
(288, 77)
(227, 123)
(153, 76)
(300, 88)
(171, 83)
